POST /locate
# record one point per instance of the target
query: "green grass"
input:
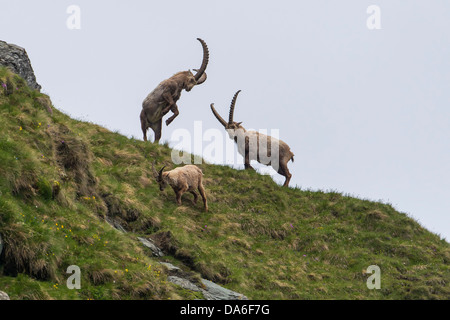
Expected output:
(60, 178)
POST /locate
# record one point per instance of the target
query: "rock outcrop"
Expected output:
(176, 275)
(16, 59)
(151, 245)
(210, 290)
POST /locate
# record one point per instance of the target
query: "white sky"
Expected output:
(366, 112)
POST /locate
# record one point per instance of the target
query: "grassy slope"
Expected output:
(60, 177)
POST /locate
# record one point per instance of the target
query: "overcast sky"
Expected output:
(366, 112)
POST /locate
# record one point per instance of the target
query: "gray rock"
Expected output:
(188, 285)
(149, 244)
(210, 290)
(112, 222)
(184, 283)
(16, 59)
(4, 296)
(216, 292)
(172, 269)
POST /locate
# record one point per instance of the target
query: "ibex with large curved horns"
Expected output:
(253, 145)
(165, 96)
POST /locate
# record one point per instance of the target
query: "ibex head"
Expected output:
(159, 177)
(231, 125)
(200, 75)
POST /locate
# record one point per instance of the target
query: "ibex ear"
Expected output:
(239, 123)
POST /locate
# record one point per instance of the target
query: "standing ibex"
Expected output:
(253, 145)
(182, 179)
(165, 96)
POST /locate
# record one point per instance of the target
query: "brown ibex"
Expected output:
(165, 96)
(182, 179)
(253, 145)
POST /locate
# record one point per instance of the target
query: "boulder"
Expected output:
(16, 59)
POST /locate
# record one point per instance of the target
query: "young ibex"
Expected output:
(164, 97)
(182, 179)
(253, 145)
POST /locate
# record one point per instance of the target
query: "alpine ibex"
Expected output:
(165, 96)
(253, 145)
(182, 179)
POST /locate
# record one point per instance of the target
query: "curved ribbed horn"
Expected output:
(221, 120)
(202, 69)
(233, 103)
(161, 172)
(155, 173)
(202, 78)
